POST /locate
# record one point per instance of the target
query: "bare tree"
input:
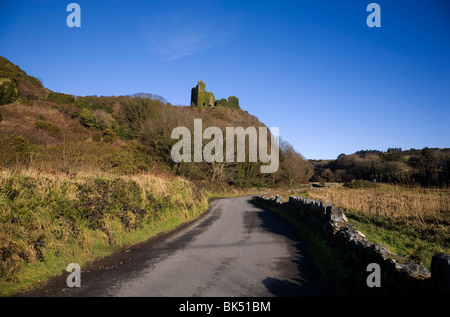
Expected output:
(293, 167)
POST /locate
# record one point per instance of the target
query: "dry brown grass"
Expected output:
(415, 205)
(50, 218)
(412, 221)
(44, 223)
(20, 119)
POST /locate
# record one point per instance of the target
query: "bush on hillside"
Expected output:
(8, 93)
(15, 150)
(47, 127)
(88, 119)
(61, 98)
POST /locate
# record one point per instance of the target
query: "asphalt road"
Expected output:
(235, 249)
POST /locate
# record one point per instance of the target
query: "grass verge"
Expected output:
(49, 220)
(417, 243)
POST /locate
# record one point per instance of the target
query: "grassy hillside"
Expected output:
(84, 176)
(50, 220)
(53, 131)
(15, 84)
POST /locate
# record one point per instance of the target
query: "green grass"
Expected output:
(418, 243)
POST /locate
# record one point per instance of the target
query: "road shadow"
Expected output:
(310, 282)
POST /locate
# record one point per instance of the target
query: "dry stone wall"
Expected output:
(397, 273)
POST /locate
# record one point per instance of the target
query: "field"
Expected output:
(411, 221)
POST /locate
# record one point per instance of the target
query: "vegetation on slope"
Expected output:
(82, 177)
(50, 220)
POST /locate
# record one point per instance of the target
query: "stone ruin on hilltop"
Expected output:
(202, 98)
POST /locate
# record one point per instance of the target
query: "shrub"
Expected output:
(15, 149)
(136, 111)
(359, 183)
(121, 163)
(88, 120)
(128, 160)
(8, 93)
(93, 103)
(123, 132)
(35, 81)
(108, 136)
(47, 127)
(70, 111)
(104, 120)
(61, 98)
(102, 197)
(97, 137)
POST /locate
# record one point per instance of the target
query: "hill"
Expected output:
(84, 176)
(47, 130)
(16, 84)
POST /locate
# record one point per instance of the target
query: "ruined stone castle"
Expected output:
(202, 98)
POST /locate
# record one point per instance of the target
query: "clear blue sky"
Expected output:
(312, 68)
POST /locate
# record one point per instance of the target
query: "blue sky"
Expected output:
(312, 68)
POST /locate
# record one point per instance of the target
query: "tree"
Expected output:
(294, 169)
(135, 111)
(428, 167)
(156, 130)
(328, 175)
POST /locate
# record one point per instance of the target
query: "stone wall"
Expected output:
(398, 274)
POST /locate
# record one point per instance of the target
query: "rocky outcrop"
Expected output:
(440, 277)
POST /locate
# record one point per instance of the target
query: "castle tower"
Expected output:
(200, 97)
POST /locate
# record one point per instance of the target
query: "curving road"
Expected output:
(235, 249)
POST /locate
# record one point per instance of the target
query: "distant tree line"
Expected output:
(425, 167)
